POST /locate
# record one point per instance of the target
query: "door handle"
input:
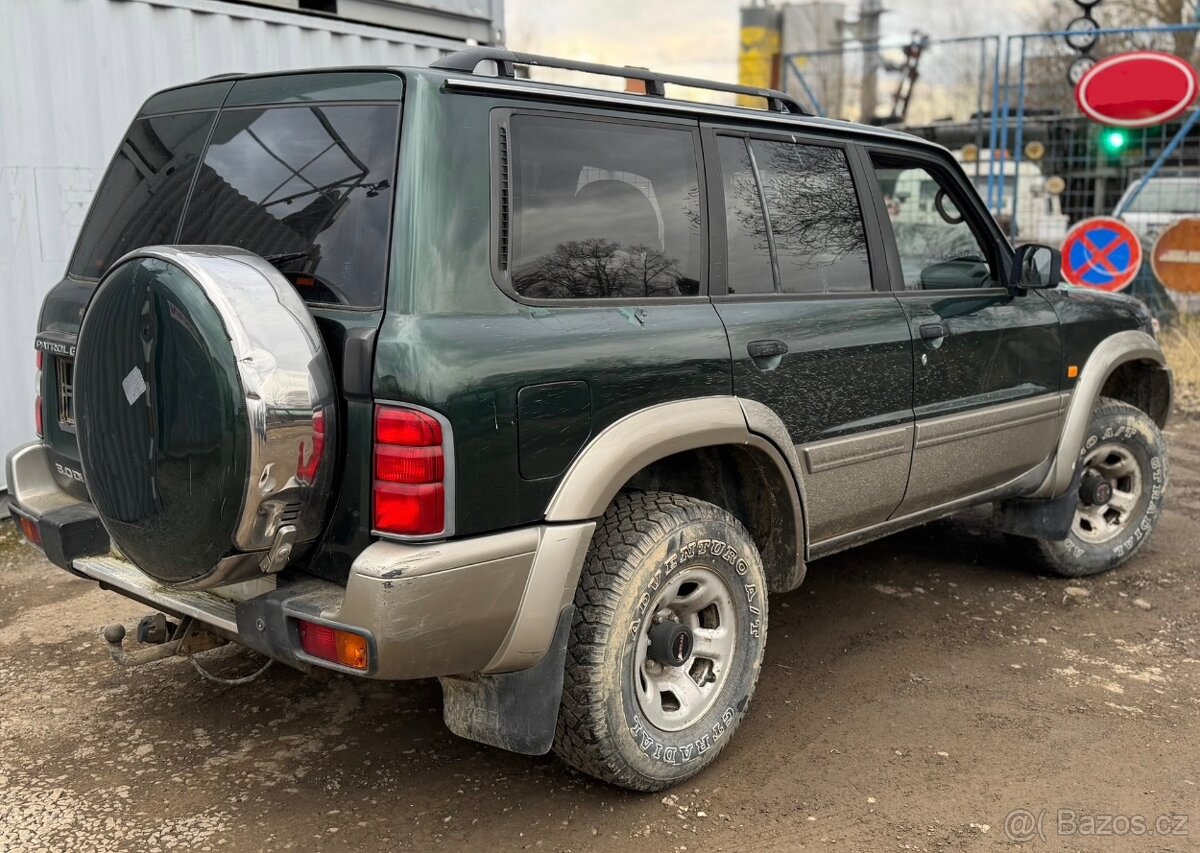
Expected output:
(766, 349)
(933, 331)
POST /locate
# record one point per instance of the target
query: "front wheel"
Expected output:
(667, 642)
(1120, 498)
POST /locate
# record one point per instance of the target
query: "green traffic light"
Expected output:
(1114, 140)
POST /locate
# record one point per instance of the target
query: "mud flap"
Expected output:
(1040, 519)
(516, 711)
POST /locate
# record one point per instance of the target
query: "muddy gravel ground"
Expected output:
(915, 693)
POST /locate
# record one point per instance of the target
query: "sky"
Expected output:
(699, 38)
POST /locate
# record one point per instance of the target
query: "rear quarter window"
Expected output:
(603, 210)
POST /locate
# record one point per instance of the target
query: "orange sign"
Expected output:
(1176, 257)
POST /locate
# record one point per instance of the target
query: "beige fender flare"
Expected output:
(631, 443)
(1109, 354)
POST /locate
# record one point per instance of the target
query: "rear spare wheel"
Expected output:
(205, 413)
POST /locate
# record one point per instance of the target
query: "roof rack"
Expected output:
(466, 61)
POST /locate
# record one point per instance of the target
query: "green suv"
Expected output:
(541, 389)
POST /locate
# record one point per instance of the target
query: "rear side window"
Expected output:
(602, 210)
(141, 199)
(309, 188)
(815, 220)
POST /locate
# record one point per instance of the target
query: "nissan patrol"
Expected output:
(540, 389)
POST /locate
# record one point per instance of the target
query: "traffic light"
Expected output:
(1113, 141)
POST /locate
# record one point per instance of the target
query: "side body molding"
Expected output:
(1108, 355)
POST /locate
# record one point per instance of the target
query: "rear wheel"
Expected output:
(668, 637)
(1120, 497)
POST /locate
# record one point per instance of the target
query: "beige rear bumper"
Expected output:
(486, 604)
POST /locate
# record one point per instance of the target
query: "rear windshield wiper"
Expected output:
(284, 257)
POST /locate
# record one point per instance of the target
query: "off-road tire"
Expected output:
(1133, 433)
(643, 541)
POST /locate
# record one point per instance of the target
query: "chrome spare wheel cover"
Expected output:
(1107, 519)
(283, 479)
(673, 697)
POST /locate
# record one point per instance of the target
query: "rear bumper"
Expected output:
(486, 604)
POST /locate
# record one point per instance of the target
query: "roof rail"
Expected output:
(466, 61)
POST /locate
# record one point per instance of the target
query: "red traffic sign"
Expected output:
(1175, 258)
(1141, 88)
(1102, 253)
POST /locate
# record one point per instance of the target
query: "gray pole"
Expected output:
(868, 33)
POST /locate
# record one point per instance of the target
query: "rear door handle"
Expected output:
(933, 331)
(766, 349)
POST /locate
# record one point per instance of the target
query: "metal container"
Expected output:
(72, 75)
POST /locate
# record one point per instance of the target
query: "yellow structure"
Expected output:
(758, 56)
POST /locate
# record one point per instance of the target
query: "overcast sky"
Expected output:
(700, 37)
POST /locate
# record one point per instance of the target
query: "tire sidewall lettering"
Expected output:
(679, 749)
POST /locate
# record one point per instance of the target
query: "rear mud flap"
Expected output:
(516, 711)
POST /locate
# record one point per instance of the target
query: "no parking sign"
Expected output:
(1101, 253)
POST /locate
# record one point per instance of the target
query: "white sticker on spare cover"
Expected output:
(134, 385)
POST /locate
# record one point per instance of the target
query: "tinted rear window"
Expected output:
(142, 197)
(310, 187)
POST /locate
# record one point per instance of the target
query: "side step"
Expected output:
(127, 579)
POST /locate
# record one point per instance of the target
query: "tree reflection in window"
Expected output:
(815, 219)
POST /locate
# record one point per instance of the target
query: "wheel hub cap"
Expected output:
(670, 644)
(1095, 490)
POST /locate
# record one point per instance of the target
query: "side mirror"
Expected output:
(1035, 265)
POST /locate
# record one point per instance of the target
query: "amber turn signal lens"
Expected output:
(352, 650)
(30, 531)
(1072, 371)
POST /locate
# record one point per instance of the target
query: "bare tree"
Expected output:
(599, 268)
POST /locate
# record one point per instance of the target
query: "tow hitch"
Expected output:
(164, 639)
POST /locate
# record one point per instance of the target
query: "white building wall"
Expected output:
(72, 75)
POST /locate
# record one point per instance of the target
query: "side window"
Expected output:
(938, 249)
(814, 216)
(745, 225)
(141, 199)
(603, 210)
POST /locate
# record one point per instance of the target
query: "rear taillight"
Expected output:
(38, 416)
(410, 472)
(334, 644)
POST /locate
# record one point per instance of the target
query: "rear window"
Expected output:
(308, 187)
(142, 197)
